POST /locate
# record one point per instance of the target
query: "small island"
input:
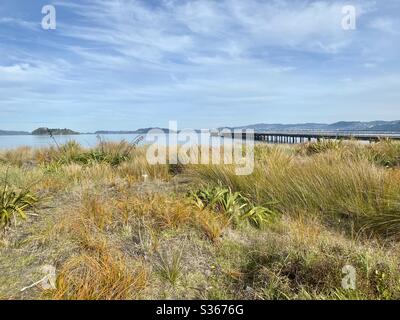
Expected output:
(55, 132)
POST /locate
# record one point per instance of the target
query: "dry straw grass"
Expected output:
(114, 234)
(324, 184)
(101, 275)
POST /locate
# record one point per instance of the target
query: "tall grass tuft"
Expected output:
(170, 266)
(385, 153)
(105, 275)
(321, 146)
(327, 185)
(13, 203)
(213, 225)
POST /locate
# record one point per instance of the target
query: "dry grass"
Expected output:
(302, 259)
(117, 228)
(101, 275)
(213, 225)
(164, 211)
(324, 184)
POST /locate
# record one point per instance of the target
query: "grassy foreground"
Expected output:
(115, 227)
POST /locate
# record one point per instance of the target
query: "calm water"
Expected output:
(86, 140)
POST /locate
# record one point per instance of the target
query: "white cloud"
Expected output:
(200, 55)
(36, 72)
(209, 30)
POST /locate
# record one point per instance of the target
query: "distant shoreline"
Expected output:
(379, 126)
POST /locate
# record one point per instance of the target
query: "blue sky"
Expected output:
(119, 64)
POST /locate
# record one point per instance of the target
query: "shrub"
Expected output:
(385, 153)
(233, 204)
(320, 146)
(71, 152)
(13, 205)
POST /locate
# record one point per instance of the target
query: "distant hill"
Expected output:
(138, 131)
(56, 132)
(283, 127)
(371, 126)
(13, 133)
(376, 126)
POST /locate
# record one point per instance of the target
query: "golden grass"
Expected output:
(102, 275)
(109, 215)
(165, 211)
(324, 184)
(212, 224)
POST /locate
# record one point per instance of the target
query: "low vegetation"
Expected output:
(234, 205)
(116, 227)
(14, 204)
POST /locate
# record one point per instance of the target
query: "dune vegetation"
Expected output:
(116, 227)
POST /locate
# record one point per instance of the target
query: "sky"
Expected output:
(128, 64)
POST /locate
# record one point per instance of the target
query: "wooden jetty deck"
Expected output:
(301, 137)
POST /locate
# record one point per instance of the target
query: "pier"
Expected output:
(302, 137)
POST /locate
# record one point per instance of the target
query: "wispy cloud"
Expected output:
(130, 63)
(206, 29)
(15, 22)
